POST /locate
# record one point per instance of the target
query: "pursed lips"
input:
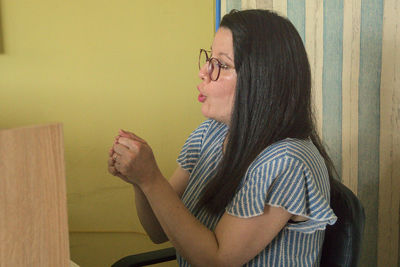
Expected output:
(201, 97)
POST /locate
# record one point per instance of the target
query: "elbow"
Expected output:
(158, 239)
(224, 263)
(215, 262)
(226, 259)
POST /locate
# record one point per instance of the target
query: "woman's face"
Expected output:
(217, 97)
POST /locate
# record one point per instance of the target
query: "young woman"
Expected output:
(252, 185)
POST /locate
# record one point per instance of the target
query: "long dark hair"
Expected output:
(272, 101)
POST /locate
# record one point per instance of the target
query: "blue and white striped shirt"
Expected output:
(290, 174)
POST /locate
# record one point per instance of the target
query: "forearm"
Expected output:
(195, 242)
(147, 218)
(135, 161)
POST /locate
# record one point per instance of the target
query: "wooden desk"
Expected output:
(33, 208)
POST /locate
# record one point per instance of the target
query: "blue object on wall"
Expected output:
(217, 14)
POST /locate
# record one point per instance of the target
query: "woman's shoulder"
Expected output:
(209, 127)
(213, 124)
(301, 150)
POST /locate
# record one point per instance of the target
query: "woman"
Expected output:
(252, 185)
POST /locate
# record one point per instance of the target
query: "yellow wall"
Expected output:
(98, 66)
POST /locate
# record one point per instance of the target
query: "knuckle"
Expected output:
(111, 170)
(135, 147)
(131, 160)
(123, 170)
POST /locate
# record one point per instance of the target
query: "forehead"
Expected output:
(223, 42)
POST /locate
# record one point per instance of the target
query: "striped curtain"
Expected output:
(354, 52)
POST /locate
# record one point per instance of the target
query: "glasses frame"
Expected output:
(210, 67)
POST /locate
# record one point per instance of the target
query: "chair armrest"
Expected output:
(147, 258)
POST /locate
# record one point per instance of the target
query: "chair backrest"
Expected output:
(342, 244)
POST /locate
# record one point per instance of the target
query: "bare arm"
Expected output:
(235, 240)
(178, 182)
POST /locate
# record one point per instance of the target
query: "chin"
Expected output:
(217, 119)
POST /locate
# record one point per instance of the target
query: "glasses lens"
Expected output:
(213, 69)
(202, 58)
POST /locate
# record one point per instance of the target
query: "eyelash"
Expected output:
(224, 66)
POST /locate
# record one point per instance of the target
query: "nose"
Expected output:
(203, 72)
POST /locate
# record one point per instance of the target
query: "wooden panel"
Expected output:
(280, 6)
(389, 176)
(350, 76)
(248, 4)
(332, 80)
(368, 123)
(33, 211)
(264, 4)
(315, 50)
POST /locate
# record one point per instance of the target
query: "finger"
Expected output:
(111, 161)
(129, 143)
(113, 170)
(131, 135)
(113, 158)
(120, 168)
(121, 149)
(111, 151)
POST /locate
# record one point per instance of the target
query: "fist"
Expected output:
(132, 159)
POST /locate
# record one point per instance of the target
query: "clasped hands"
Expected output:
(132, 159)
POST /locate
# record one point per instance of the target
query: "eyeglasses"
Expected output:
(213, 65)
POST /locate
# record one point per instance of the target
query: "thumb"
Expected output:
(130, 143)
(130, 135)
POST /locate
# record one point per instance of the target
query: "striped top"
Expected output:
(290, 174)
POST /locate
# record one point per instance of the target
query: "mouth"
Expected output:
(201, 98)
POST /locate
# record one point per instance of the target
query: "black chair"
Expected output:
(147, 258)
(342, 244)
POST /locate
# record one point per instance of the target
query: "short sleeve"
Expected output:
(191, 150)
(288, 183)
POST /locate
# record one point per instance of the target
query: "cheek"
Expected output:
(229, 103)
(219, 105)
(220, 100)
(223, 101)
(230, 95)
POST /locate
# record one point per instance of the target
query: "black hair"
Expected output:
(272, 99)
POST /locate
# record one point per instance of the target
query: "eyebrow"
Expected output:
(225, 54)
(222, 54)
